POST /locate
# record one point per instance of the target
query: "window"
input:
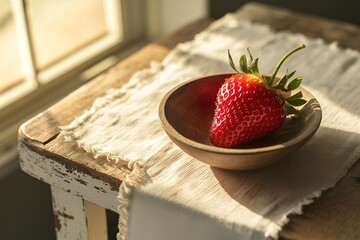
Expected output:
(46, 46)
(41, 40)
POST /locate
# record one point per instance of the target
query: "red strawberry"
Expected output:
(250, 106)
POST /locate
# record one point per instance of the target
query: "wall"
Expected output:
(166, 16)
(344, 10)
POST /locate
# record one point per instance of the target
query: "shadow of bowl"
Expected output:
(186, 113)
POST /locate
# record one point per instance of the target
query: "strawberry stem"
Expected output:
(271, 80)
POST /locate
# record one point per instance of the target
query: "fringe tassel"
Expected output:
(137, 177)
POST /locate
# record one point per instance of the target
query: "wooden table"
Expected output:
(83, 188)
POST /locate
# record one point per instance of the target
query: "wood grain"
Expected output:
(41, 132)
(186, 113)
(345, 34)
(44, 127)
(333, 216)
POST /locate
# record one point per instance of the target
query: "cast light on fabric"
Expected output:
(126, 128)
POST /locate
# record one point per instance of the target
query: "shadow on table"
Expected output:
(266, 191)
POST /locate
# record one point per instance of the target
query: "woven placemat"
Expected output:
(124, 125)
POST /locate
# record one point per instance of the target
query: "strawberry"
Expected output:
(250, 106)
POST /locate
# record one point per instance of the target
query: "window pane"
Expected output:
(10, 67)
(59, 28)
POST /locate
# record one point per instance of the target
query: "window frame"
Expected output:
(39, 91)
(33, 78)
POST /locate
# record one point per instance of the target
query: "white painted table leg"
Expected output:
(76, 218)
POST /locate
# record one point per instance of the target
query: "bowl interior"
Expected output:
(189, 110)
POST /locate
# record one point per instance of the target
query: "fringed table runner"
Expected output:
(124, 125)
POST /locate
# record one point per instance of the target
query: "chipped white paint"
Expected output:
(69, 179)
(74, 194)
(69, 215)
(75, 218)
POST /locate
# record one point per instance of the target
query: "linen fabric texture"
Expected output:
(124, 126)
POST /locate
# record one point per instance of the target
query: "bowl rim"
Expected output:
(233, 151)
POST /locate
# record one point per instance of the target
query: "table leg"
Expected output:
(76, 218)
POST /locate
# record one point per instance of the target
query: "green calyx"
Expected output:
(282, 86)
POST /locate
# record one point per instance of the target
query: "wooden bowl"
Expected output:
(186, 114)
